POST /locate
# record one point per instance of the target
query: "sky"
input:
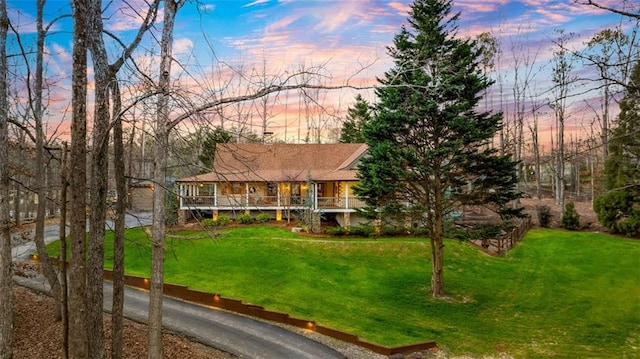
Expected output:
(226, 46)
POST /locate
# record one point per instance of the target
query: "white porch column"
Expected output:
(346, 195)
(215, 194)
(246, 195)
(315, 196)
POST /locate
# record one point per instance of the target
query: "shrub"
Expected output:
(336, 231)
(461, 234)
(489, 231)
(208, 223)
(245, 218)
(263, 218)
(617, 210)
(171, 209)
(392, 230)
(630, 226)
(363, 230)
(544, 216)
(570, 218)
(222, 220)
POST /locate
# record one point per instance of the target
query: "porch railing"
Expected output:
(252, 201)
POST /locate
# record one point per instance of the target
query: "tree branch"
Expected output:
(608, 8)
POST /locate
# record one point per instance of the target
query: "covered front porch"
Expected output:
(331, 196)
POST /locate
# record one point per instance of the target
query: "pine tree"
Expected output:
(618, 208)
(211, 141)
(426, 154)
(357, 116)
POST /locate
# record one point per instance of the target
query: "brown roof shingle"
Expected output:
(257, 162)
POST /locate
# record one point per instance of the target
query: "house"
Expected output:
(141, 196)
(280, 179)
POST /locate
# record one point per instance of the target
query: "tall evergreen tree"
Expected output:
(357, 116)
(618, 209)
(211, 141)
(426, 154)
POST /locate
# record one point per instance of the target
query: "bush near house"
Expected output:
(244, 218)
(263, 218)
(208, 223)
(220, 221)
(223, 220)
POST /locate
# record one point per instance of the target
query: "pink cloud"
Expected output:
(282, 23)
(334, 17)
(401, 8)
(553, 16)
(256, 2)
(479, 6)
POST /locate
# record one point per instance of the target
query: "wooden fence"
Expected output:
(237, 306)
(499, 246)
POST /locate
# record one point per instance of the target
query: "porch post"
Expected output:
(278, 193)
(315, 195)
(346, 195)
(215, 194)
(246, 197)
(278, 210)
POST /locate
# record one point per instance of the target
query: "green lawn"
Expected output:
(557, 294)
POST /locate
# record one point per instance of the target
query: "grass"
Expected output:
(558, 294)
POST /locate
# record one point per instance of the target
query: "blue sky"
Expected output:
(348, 38)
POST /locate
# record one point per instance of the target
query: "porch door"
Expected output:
(295, 193)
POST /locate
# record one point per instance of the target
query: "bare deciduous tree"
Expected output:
(562, 66)
(117, 312)
(618, 10)
(78, 347)
(6, 288)
(155, 349)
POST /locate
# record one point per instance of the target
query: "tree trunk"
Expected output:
(117, 309)
(40, 170)
(6, 280)
(160, 183)
(437, 267)
(436, 235)
(560, 201)
(63, 252)
(99, 175)
(77, 185)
